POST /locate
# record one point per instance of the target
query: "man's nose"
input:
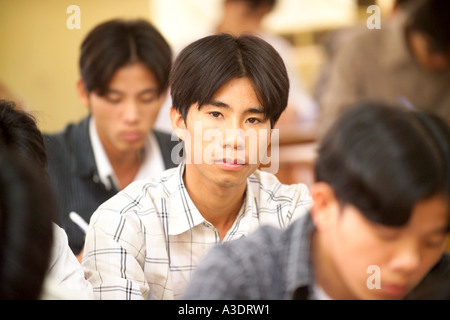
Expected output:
(234, 135)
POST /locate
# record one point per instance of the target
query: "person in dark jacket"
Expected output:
(124, 66)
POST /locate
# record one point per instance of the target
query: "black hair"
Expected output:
(19, 132)
(205, 65)
(432, 17)
(254, 4)
(383, 160)
(116, 43)
(27, 208)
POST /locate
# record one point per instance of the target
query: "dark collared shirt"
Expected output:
(275, 264)
(75, 178)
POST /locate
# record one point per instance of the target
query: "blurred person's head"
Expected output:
(124, 67)
(19, 132)
(27, 209)
(428, 33)
(244, 16)
(228, 84)
(381, 198)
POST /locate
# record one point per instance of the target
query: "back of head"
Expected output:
(117, 43)
(204, 66)
(19, 132)
(383, 160)
(432, 18)
(26, 213)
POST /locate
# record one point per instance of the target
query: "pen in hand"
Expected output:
(79, 221)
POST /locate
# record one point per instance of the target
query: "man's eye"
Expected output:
(113, 99)
(215, 114)
(253, 120)
(148, 98)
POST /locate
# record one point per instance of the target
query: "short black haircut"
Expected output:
(117, 43)
(205, 65)
(432, 17)
(19, 132)
(383, 160)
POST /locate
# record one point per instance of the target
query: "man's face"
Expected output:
(125, 115)
(401, 256)
(226, 136)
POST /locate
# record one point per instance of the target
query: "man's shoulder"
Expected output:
(139, 195)
(267, 183)
(72, 134)
(267, 246)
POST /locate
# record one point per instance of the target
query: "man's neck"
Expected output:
(326, 275)
(125, 166)
(218, 205)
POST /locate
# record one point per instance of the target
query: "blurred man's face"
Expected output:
(125, 115)
(402, 256)
(425, 55)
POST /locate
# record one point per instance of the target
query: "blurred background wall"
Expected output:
(39, 53)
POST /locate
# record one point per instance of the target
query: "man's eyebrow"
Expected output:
(215, 103)
(255, 110)
(441, 230)
(148, 90)
(111, 90)
(219, 104)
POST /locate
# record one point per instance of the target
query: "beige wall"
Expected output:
(39, 54)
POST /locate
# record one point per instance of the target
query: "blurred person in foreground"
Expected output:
(27, 209)
(377, 227)
(406, 63)
(19, 134)
(124, 69)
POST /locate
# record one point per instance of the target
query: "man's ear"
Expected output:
(178, 123)
(325, 209)
(83, 94)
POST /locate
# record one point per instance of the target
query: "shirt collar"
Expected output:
(184, 215)
(104, 168)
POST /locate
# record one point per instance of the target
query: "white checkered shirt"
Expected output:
(145, 242)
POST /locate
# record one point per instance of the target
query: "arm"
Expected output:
(65, 270)
(114, 255)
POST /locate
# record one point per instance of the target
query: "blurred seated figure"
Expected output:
(27, 209)
(377, 228)
(124, 67)
(406, 62)
(19, 134)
